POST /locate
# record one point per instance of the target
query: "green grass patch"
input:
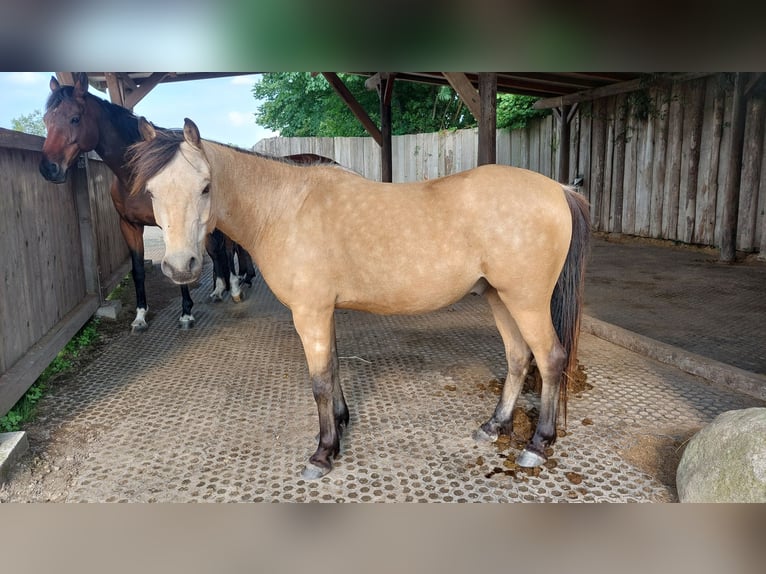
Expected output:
(24, 410)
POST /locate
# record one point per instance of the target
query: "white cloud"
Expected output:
(239, 119)
(26, 78)
(243, 80)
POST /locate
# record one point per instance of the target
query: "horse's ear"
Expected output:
(191, 133)
(80, 84)
(147, 130)
(54, 84)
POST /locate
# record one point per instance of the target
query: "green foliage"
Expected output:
(24, 409)
(299, 105)
(515, 111)
(30, 123)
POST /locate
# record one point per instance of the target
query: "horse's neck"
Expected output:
(112, 143)
(251, 193)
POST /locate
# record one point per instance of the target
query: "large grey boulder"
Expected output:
(726, 460)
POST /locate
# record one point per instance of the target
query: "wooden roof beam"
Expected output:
(139, 92)
(613, 89)
(464, 88)
(355, 107)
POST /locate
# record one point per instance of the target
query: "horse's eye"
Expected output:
(206, 190)
(75, 120)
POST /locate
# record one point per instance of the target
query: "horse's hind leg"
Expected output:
(517, 355)
(537, 329)
(317, 333)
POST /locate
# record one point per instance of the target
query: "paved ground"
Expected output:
(681, 296)
(224, 412)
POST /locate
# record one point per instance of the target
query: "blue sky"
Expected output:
(222, 108)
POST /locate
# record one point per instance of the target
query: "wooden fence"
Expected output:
(62, 252)
(653, 162)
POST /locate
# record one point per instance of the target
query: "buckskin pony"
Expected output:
(324, 238)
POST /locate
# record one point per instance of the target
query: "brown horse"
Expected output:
(79, 122)
(324, 238)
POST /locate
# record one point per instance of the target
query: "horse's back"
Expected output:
(419, 246)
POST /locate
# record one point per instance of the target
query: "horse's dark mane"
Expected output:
(121, 118)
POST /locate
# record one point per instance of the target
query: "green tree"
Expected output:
(299, 104)
(514, 111)
(30, 123)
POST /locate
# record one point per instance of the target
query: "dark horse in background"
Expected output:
(79, 122)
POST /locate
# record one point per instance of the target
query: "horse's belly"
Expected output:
(406, 297)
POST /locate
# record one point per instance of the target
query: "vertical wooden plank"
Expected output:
(645, 146)
(583, 161)
(659, 170)
(734, 160)
(751, 174)
(598, 152)
(673, 173)
(707, 178)
(574, 149)
(504, 147)
(630, 181)
(618, 169)
(692, 131)
(606, 201)
(564, 129)
(516, 145)
(760, 223)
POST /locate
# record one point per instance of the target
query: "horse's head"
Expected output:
(174, 171)
(71, 129)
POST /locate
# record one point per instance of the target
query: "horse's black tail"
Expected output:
(567, 301)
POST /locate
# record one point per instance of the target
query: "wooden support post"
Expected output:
(731, 187)
(385, 91)
(488, 118)
(114, 85)
(65, 78)
(563, 118)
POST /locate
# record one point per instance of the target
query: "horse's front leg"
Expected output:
(134, 237)
(317, 332)
(186, 321)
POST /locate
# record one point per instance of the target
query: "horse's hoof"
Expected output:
(530, 459)
(139, 328)
(314, 472)
(483, 436)
(186, 322)
(216, 297)
(237, 298)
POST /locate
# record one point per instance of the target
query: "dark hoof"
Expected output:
(483, 436)
(186, 322)
(530, 459)
(137, 329)
(314, 472)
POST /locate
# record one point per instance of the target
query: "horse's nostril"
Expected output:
(192, 263)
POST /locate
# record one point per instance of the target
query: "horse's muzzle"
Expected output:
(51, 171)
(182, 268)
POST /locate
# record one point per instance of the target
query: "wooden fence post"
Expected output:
(731, 188)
